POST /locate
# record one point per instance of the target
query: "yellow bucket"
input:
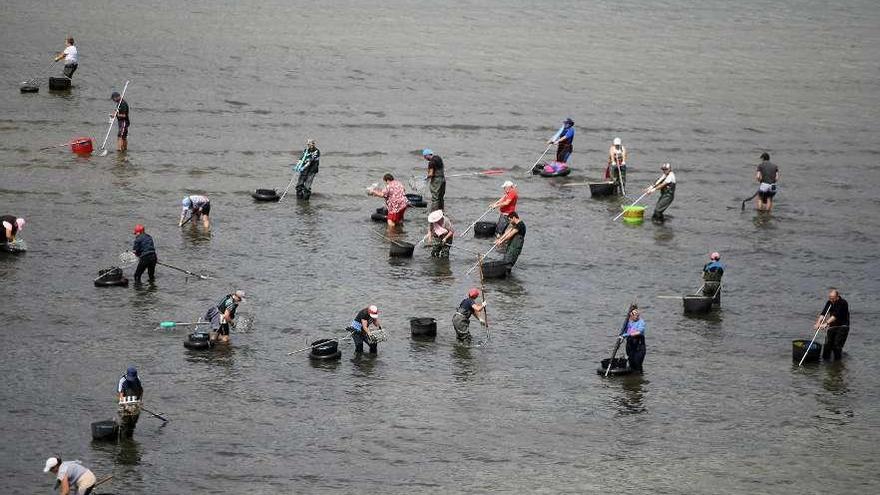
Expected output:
(633, 214)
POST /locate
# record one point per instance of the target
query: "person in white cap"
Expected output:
(440, 233)
(222, 315)
(616, 169)
(666, 185)
(70, 475)
(360, 329)
(506, 205)
(11, 226)
(195, 206)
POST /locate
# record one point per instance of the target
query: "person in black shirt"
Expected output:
(766, 174)
(461, 320)
(222, 315)
(436, 179)
(835, 324)
(516, 234)
(122, 121)
(145, 250)
(360, 329)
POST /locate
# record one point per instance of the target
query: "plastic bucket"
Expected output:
(799, 346)
(400, 249)
(633, 214)
(105, 430)
(82, 146)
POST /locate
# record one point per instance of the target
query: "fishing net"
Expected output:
(417, 184)
(377, 335)
(127, 257)
(244, 322)
(15, 246)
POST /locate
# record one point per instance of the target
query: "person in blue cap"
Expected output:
(563, 140)
(130, 393)
(195, 206)
(436, 179)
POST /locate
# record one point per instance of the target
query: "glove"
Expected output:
(485, 303)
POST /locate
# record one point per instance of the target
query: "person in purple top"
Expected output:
(634, 333)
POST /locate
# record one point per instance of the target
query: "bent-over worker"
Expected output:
(11, 226)
(222, 315)
(194, 207)
(360, 329)
(395, 199)
(70, 475)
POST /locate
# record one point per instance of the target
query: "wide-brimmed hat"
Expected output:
(435, 216)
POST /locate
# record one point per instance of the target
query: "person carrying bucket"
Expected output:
(436, 179)
(122, 121)
(71, 57)
(666, 185)
(440, 233)
(563, 140)
(395, 199)
(836, 325)
(222, 315)
(11, 226)
(360, 329)
(516, 235)
(506, 205)
(129, 392)
(634, 333)
(766, 175)
(195, 207)
(145, 250)
(307, 166)
(616, 169)
(461, 320)
(70, 475)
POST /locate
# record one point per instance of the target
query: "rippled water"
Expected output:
(221, 92)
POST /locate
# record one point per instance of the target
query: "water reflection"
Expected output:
(762, 219)
(195, 235)
(222, 355)
(463, 364)
(663, 234)
(835, 380)
(630, 400)
(364, 364)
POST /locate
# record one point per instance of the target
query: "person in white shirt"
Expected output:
(666, 185)
(70, 56)
(72, 476)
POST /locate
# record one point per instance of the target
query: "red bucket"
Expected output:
(82, 146)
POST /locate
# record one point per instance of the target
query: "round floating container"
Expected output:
(105, 431)
(378, 217)
(633, 214)
(111, 277)
(600, 189)
(423, 327)
(401, 249)
(198, 341)
(495, 269)
(416, 201)
(28, 87)
(484, 229)
(325, 350)
(697, 304)
(618, 367)
(82, 146)
(59, 84)
(265, 195)
(799, 346)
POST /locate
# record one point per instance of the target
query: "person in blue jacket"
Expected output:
(634, 333)
(145, 250)
(563, 140)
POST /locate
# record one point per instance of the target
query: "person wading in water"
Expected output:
(766, 175)
(360, 329)
(307, 166)
(436, 179)
(564, 139)
(616, 169)
(222, 315)
(634, 333)
(145, 250)
(836, 325)
(666, 185)
(461, 320)
(129, 392)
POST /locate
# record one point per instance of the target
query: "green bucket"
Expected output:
(633, 214)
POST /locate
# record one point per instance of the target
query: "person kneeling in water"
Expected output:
(461, 320)
(222, 315)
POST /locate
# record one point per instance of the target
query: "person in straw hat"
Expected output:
(440, 233)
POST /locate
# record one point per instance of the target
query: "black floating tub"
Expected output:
(29, 88)
(111, 277)
(599, 189)
(495, 269)
(618, 367)
(59, 83)
(798, 347)
(105, 431)
(423, 327)
(382, 211)
(325, 350)
(401, 249)
(484, 229)
(697, 304)
(378, 217)
(265, 195)
(198, 341)
(416, 201)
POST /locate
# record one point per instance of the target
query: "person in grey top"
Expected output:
(766, 175)
(70, 475)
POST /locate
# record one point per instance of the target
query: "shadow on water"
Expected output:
(364, 364)
(464, 366)
(222, 355)
(663, 234)
(126, 452)
(763, 219)
(838, 408)
(194, 234)
(630, 400)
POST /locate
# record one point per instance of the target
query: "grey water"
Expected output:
(223, 94)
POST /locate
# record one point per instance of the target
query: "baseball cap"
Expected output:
(374, 311)
(427, 151)
(50, 463)
(115, 94)
(131, 372)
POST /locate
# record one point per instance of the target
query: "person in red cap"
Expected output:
(461, 320)
(360, 329)
(145, 250)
